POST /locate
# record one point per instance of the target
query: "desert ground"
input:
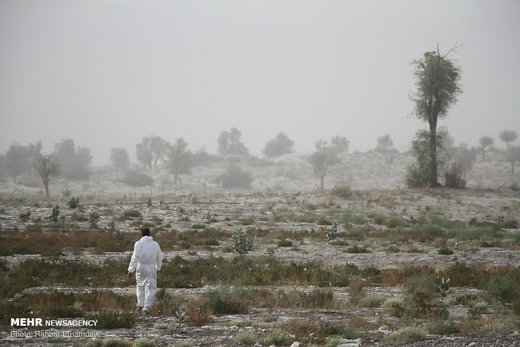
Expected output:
(368, 262)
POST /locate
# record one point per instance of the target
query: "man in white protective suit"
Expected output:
(146, 261)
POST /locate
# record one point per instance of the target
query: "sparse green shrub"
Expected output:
(137, 179)
(227, 301)
(444, 326)
(476, 308)
(342, 331)
(284, 243)
(393, 249)
(357, 249)
(373, 301)
(504, 288)
(235, 177)
(396, 306)
(445, 251)
(245, 338)
(133, 214)
(417, 176)
(160, 326)
(180, 315)
(454, 177)
(73, 203)
(516, 307)
(242, 241)
(379, 219)
(114, 320)
(356, 291)
(333, 341)
(277, 338)
(343, 192)
(198, 313)
(183, 344)
(25, 216)
(442, 285)
(93, 219)
(55, 213)
(406, 335)
(331, 233)
(142, 342)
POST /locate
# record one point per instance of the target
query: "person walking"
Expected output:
(145, 262)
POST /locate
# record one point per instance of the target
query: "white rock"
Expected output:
(295, 344)
(350, 343)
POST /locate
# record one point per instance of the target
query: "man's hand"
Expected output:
(130, 274)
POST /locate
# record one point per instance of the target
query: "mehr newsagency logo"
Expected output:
(55, 323)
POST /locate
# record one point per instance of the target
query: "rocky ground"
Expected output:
(262, 210)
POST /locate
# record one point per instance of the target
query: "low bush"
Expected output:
(114, 320)
(110, 342)
(406, 335)
(277, 338)
(227, 301)
(242, 241)
(284, 243)
(505, 288)
(445, 251)
(245, 338)
(137, 179)
(357, 249)
(343, 192)
(143, 342)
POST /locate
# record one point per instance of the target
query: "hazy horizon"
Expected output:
(107, 73)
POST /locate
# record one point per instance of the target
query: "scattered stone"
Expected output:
(350, 343)
(295, 344)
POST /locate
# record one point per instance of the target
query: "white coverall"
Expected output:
(146, 261)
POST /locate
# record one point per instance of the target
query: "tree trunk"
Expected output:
(175, 177)
(433, 154)
(322, 183)
(45, 182)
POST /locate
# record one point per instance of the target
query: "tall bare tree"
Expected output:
(322, 159)
(46, 166)
(179, 159)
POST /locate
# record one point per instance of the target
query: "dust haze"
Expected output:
(108, 73)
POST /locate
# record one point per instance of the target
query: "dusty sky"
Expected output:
(106, 73)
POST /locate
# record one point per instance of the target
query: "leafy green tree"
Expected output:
(385, 147)
(418, 173)
(17, 161)
(151, 149)
(485, 142)
(278, 146)
(159, 148)
(324, 156)
(230, 143)
(235, 177)
(179, 159)
(339, 144)
(73, 162)
(512, 155)
(119, 158)
(508, 136)
(46, 166)
(144, 154)
(438, 86)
